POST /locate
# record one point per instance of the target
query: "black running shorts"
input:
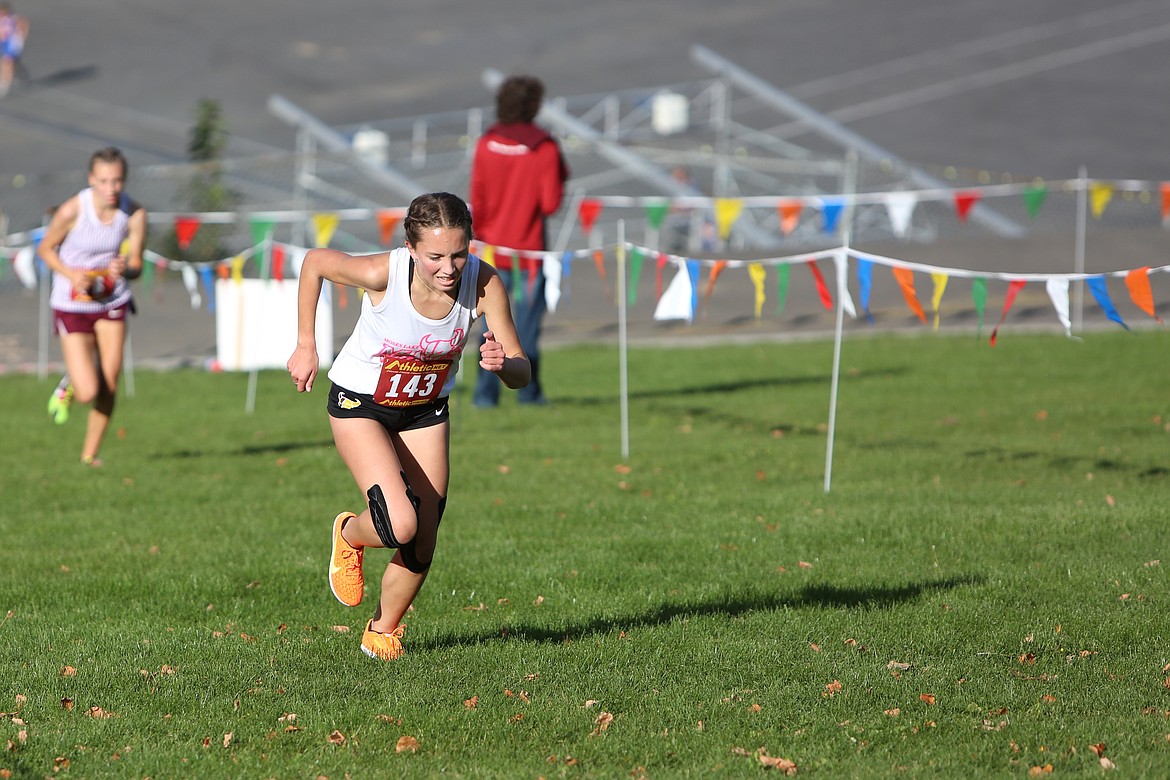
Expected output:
(345, 404)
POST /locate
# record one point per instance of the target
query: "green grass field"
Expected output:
(980, 594)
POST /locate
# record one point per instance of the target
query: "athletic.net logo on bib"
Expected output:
(408, 381)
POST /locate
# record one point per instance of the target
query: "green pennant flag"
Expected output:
(782, 274)
(656, 212)
(1034, 198)
(147, 275)
(517, 280)
(635, 271)
(979, 295)
(261, 232)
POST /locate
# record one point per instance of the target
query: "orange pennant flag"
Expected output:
(965, 201)
(185, 229)
(223, 270)
(1165, 199)
(716, 269)
(1137, 282)
(905, 278)
(789, 215)
(599, 261)
(387, 221)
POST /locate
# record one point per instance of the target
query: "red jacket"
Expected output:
(517, 180)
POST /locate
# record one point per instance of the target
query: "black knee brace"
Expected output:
(409, 558)
(380, 514)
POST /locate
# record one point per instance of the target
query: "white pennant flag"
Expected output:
(900, 207)
(191, 282)
(1058, 292)
(677, 302)
(841, 268)
(551, 268)
(25, 266)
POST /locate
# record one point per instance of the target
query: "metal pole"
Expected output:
(842, 267)
(1079, 255)
(623, 340)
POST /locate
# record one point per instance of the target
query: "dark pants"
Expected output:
(528, 314)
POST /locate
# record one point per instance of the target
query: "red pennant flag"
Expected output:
(387, 221)
(185, 229)
(1137, 282)
(588, 213)
(905, 279)
(822, 288)
(662, 261)
(278, 262)
(964, 201)
(1165, 199)
(342, 295)
(1014, 288)
(789, 215)
(223, 271)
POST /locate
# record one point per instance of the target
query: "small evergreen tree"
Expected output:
(206, 190)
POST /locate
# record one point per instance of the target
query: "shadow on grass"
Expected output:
(250, 449)
(721, 388)
(810, 597)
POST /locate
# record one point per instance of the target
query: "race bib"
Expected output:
(101, 286)
(408, 381)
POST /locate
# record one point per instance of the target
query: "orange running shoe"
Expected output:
(345, 566)
(386, 647)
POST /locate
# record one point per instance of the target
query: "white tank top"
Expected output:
(399, 356)
(91, 245)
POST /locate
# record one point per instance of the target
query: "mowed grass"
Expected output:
(980, 594)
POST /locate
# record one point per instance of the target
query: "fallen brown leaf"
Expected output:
(832, 689)
(927, 697)
(897, 666)
(227, 738)
(336, 737)
(68, 671)
(471, 703)
(776, 762)
(602, 723)
(406, 744)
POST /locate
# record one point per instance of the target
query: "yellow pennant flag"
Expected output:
(1099, 196)
(238, 269)
(940, 284)
(758, 274)
(326, 225)
(488, 255)
(727, 210)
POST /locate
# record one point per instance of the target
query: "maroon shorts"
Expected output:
(82, 322)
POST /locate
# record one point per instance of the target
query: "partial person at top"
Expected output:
(13, 34)
(518, 180)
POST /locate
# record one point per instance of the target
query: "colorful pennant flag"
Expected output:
(588, 212)
(905, 278)
(655, 213)
(965, 200)
(900, 208)
(636, 258)
(727, 211)
(822, 288)
(940, 284)
(387, 221)
(865, 283)
(677, 303)
(831, 209)
(1137, 282)
(1034, 196)
(783, 273)
(979, 297)
(1100, 193)
(759, 275)
(789, 215)
(185, 229)
(1014, 287)
(1166, 200)
(325, 225)
(1096, 285)
(1058, 293)
(716, 269)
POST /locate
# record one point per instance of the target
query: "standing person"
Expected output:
(13, 34)
(388, 401)
(90, 298)
(518, 178)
